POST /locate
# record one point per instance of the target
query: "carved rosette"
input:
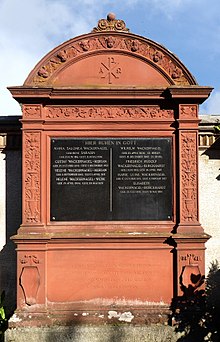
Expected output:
(31, 111)
(189, 210)
(188, 111)
(109, 113)
(113, 43)
(31, 178)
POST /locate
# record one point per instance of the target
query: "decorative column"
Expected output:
(31, 199)
(190, 236)
(32, 216)
(31, 256)
(188, 168)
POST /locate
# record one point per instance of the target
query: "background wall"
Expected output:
(2, 193)
(209, 186)
(10, 204)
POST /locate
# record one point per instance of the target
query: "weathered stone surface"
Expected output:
(104, 333)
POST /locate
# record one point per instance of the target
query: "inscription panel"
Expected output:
(106, 277)
(103, 179)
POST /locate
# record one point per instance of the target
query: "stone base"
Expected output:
(94, 333)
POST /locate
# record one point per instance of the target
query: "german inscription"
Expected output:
(103, 179)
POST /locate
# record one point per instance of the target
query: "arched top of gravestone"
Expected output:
(110, 56)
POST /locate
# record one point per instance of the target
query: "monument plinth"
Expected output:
(110, 181)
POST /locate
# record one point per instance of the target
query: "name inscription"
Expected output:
(111, 179)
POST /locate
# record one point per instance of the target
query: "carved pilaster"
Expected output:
(188, 177)
(31, 200)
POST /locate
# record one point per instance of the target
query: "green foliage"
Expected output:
(217, 127)
(3, 319)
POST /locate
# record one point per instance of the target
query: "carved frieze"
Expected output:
(136, 46)
(188, 111)
(31, 177)
(31, 111)
(189, 212)
(105, 112)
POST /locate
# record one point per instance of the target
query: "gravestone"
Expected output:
(110, 225)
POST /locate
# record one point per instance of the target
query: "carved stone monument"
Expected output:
(110, 181)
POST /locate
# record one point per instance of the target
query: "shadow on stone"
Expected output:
(111, 333)
(88, 333)
(196, 313)
(13, 221)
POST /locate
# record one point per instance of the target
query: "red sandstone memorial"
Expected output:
(110, 224)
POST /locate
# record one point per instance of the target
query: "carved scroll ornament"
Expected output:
(29, 260)
(111, 24)
(109, 113)
(32, 177)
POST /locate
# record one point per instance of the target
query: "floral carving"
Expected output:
(32, 177)
(104, 112)
(32, 111)
(189, 211)
(29, 260)
(114, 43)
(188, 111)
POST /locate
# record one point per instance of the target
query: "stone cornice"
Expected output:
(22, 93)
(197, 94)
